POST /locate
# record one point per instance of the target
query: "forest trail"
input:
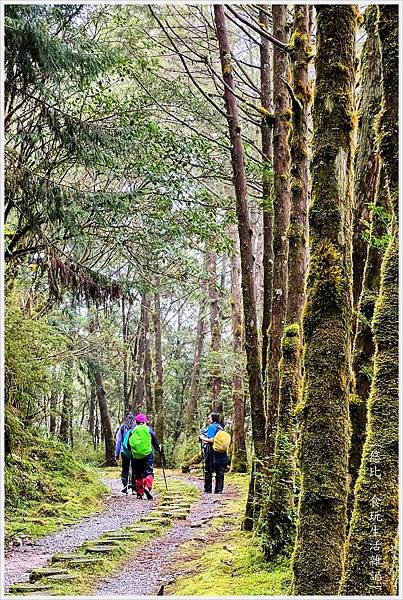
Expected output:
(160, 561)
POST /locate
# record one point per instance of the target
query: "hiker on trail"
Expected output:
(142, 440)
(215, 442)
(126, 426)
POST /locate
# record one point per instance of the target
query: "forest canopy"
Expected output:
(201, 214)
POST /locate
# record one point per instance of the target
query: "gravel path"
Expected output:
(119, 511)
(144, 575)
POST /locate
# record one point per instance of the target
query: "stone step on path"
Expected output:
(118, 512)
(150, 568)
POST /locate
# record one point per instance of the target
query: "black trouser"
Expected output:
(125, 469)
(211, 466)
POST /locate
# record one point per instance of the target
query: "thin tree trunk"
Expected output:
(267, 185)
(366, 158)
(364, 347)
(239, 459)
(104, 414)
(278, 515)
(159, 375)
(253, 362)
(125, 335)
(281, 212)
(139, 389)
(92, 412)
(148, 394)
(67, 406)
(324, 441)
(372, 539)
(216, 378)
(53, 401)
(192, 410)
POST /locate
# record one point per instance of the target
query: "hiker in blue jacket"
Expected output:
(213, 461)
(128, 424)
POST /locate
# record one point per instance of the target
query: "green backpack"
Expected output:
(140, 441)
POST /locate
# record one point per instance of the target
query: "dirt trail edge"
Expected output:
(157, 563)
(118, 512)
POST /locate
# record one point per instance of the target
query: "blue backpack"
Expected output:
(125, 450)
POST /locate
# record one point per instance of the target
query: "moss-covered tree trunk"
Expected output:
(253, 363)
(281, 217)
(192, 409)
(373, 532)
(106, 426)
(267, 184)
(239, 460)
(278, 515)
(366, 156)
(364, 347)
(324, 441)
(215, 330)
(159, 375)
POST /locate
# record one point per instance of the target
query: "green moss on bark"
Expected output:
(324, 440)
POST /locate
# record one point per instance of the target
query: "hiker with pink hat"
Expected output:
(142, 441)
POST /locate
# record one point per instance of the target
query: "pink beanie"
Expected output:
(140, 418)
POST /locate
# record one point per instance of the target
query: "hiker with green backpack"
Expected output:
(215, 443)
(138, 443)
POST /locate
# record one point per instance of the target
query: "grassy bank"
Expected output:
(45, 486)
(231, 562)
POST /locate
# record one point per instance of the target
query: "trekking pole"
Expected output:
(201, 449)
(163, 470)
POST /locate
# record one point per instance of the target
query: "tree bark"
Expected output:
(267, 186)
(147, 367)
(253, 356)
(366, 157)
(324, 441)
(53, 401)
(104, 414)
(281, 212)
(215, 329)
(67, 406)
(159, 375)
(125, 336)
(249, 303)
(278, 515)
(239, 459)
(372, 539)
(139, 389)
(192, 409)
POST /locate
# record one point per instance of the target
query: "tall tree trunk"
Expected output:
(365, 286)
(281, 211)
(216, 377)
(253, 362)
(53, 401)
(139, 389)
(366, 157)
(192, 409)
(159, 375)
(278, 515)
(267, 185)
(104, 414)
(125, 336)
(324, 440)
(148, 394)
(92, 411)
(67, 406)
(364, 347)
(239, 459)
(372, 539)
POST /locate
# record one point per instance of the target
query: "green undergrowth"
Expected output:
(45, 486)
(88, 577)
(231, 562)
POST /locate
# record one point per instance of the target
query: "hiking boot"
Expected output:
(148, 494)
(124, 490)
(139, 496)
